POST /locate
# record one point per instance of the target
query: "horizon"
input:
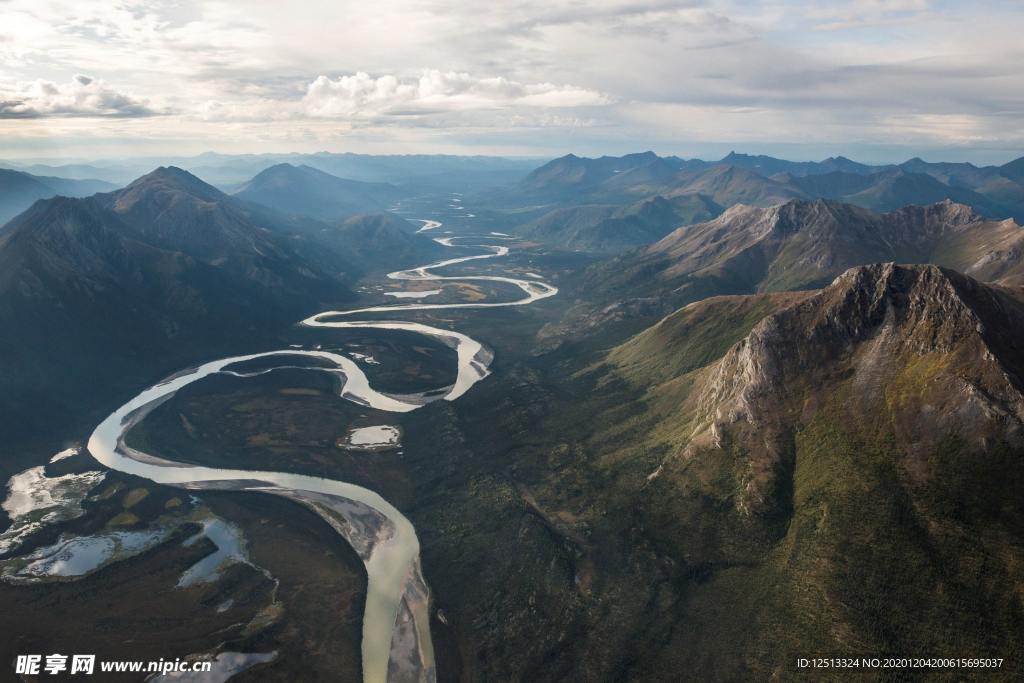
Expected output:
(162, 159)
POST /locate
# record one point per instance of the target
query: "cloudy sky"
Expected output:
(878, 80)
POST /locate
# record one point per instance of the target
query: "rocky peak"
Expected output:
(865, 329)
(943, 214)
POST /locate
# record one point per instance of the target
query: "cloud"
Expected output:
(81, 96)
(516, 74)
(362, 95)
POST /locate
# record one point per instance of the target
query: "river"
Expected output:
(396, 642)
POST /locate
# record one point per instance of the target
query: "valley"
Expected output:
(683, 444)
(518, 342)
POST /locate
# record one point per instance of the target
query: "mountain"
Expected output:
(611, 228)
(101, 291)
(996, 192)
(960, 174)
(891, 190)
(801, 245)
(1014, 170)
(645, 178)
(879, 335)
(828, 475)
(769, 166)
(382, 242)
(573, 180)
(728, 185)
(174, 209)
(573, 174)
(18, 190)
(426, 172)
(830, 185)
(114, 176)
(307, 191)
(841, 163)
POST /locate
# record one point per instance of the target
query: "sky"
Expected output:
(875, 80)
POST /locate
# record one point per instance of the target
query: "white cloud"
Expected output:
(81, 96)
(362, 95)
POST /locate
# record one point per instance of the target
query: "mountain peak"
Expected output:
(167, 179)
(1014, 169)
(945, 212)
(307, 190)
(858, 336)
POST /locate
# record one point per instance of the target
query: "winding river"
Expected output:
(396, 644)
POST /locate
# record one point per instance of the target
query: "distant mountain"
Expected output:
(1013, 170)
(845, 165)
(728, 185)
(111, 173)
(830, 185)
(424, 172)
(962, 174)
(18, 190)
(996, 192)
(891, 189)
(307, 191)
(768, 166)
(842, 453)
(579, 175)
(611, 228)
(95, 291)
(382, 242)
(623, 180)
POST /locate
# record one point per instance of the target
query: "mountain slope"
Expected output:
(174, 209)
(728, 185)
(101, 291)
(579, 173)
(623, 179)
(894, 189)
(802, 244)
(18, 190)
(383, 242)
(769, 166)
(307, 191)
(832, 481)
(610, 228)
(761, 477)
(1013, 170)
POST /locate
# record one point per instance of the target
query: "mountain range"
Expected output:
(612, 228)
(797, 245)
(583, 185)
(18, 190)
(426, 172)
(157, 273)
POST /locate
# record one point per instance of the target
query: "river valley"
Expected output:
(396, 641)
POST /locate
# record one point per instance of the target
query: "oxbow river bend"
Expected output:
(396, 642)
